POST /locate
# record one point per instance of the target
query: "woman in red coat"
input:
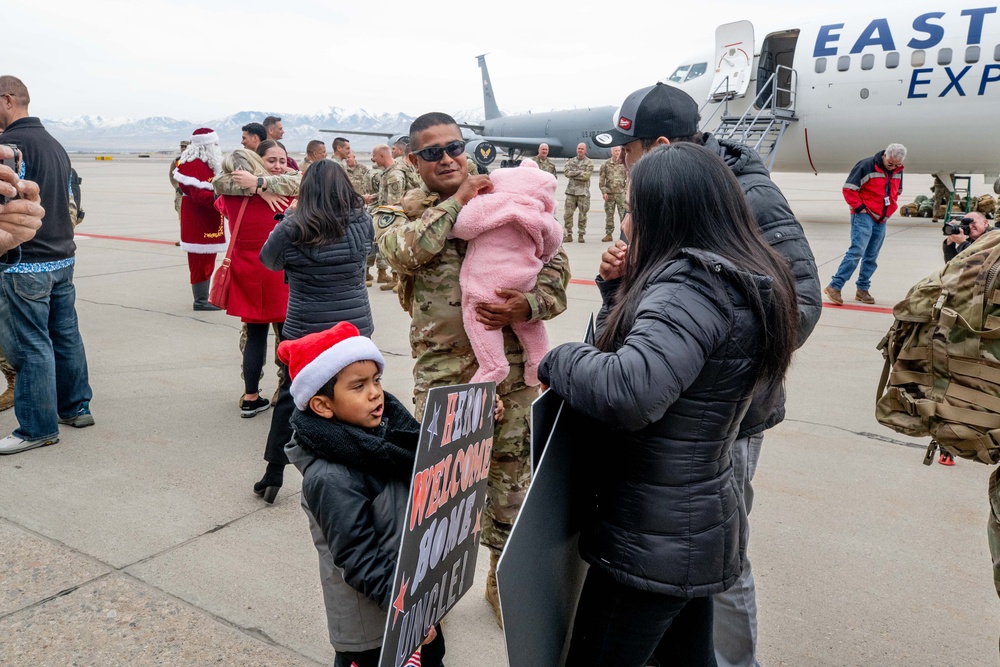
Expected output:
(251, 195)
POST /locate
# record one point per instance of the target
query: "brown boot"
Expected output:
(492, 593)
(568, 237)
(369, 277)
(383, 277)
(388, 284)
(7, 397)
(864, 296)
(579, 238)
(607, 238)
(834, 295)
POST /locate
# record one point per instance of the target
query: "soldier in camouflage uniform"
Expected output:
(428, 263)
(315, 151)
(543, 161)
(392, 187)
(357, 174)
(399, 151)
(341, 149)
(578, 171)
(612, 184)
(940, 198)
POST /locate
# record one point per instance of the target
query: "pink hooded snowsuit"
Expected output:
(511, 232)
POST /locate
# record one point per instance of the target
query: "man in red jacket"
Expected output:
(871, 191)
(202, 231)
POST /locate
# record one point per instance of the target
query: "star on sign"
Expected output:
(432, 428)
(397, 604)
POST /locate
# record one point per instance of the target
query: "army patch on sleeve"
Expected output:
(385, 220)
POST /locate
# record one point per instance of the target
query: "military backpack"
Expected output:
(942, 357)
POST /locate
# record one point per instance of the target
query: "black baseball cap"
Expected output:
(654, 111)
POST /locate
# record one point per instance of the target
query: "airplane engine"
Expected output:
(482, 151)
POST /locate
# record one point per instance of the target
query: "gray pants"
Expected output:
(736, 609)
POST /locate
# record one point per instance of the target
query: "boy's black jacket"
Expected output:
(386, 451)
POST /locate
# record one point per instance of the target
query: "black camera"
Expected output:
(962, 227)
(13, 163)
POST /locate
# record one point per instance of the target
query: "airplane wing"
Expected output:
(387, 135)
(524, 143)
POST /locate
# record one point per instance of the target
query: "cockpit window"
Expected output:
(679, 74)
(696, 70)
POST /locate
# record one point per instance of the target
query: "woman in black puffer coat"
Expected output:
(698, 314)
(322, 246)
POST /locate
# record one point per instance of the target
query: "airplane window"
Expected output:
(944, 57)
(696, 70)
(972, 54)
(892, 60)
(821, 64)
(996, 53)
(843, 63)
(918, 58)
(678, 75)
(868, 61)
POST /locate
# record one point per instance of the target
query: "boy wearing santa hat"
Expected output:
(354, 444)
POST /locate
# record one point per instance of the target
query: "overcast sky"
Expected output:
(201, 61)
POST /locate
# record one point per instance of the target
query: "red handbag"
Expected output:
(218, 295)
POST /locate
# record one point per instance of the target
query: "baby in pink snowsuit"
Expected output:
(512, 233)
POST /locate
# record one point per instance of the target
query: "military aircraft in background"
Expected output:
(522, 133)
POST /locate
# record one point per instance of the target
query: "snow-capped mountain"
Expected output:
(157, 133)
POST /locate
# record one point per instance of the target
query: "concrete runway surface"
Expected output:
(139, 542)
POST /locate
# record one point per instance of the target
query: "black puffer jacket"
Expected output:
(784, 234)
(326, 283)
(666, 515)
(355, 486)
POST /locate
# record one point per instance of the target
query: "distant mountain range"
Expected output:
(99, 134)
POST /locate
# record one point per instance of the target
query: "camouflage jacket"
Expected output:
(373, 180)
(285, 184)
(545, 164)
(358, 176)
(304, 165)
(413, 179)
(428, 263)
(578, 171)
(612, 180)
(392, 186)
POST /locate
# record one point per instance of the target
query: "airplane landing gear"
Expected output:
(504, 164)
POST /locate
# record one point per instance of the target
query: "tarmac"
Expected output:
(138, 541)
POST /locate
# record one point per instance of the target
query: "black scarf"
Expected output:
(387, 450)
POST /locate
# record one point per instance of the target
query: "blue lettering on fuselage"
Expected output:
(878, 33)
(919, 80)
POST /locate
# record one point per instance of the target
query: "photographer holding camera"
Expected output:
(962, 233)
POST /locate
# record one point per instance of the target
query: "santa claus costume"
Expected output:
(203, 233)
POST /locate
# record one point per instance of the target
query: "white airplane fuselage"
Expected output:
(926, 78)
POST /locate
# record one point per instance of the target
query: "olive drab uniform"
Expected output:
(392, 186)
(545, 165)
(358, 176)
(578, 170)
(612, 184)
(428, 263)
(413, 180)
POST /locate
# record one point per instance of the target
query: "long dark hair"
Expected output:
(683, 196)
(326, 201)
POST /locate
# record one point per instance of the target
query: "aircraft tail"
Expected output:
(489, 101)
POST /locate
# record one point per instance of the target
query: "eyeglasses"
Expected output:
(435, 153)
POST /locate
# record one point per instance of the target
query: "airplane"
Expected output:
(522, 133)
(830, 92)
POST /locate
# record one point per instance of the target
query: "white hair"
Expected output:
(210, 154)
(896, 152)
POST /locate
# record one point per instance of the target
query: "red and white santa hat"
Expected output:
(204, 136)
(312, 360)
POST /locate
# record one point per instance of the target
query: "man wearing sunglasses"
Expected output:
(428, 263)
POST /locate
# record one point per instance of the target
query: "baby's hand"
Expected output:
(497, 409)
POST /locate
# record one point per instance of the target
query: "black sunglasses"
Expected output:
(435, 153)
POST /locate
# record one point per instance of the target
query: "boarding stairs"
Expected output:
(764, 123)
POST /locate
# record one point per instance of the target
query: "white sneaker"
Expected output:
(13, 444)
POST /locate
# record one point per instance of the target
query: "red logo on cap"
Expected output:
(625, 123)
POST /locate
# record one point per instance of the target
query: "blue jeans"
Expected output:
(40, 335)
(866, 242)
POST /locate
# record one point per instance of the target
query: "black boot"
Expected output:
(270, 483)
(200, 291)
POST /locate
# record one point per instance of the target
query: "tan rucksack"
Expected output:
(942, 357)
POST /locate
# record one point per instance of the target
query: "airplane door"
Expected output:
(733, 60)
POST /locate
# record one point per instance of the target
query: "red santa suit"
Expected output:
(202, 231)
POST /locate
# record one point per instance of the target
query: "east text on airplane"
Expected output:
(818, 96)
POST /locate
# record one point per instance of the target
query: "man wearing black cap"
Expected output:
(663, 114)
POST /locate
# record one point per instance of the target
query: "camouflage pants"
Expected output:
(277, 339)
(613, 201)
(510, 462)
(993, 526)
(572, 203)
(375, 258)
